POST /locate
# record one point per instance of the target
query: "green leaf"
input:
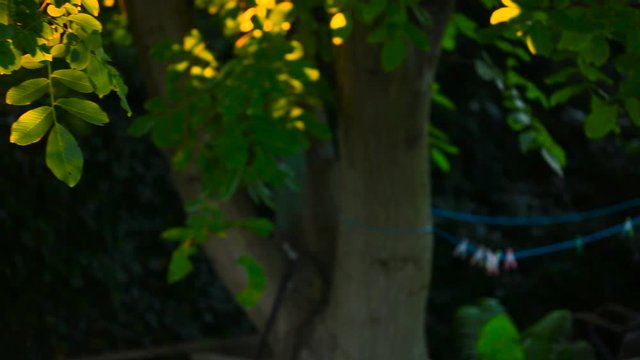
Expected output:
(541, 339)
(99, 75)
(260, 226)
(256, 282)
(417, 35)
(26, 41)
(561, 76)
(469, 321)
(177, 234)
(169, 128)
(597, 51)
(92, 6)
(563, 95)
(84, 109)
(180, 265)
(541, 38)
(120, 87)
(499, 340)
(575, 41)
(4, 12)
(533, 92)
(87, 22)
(93, 41)
(78, 57)
(592, 73)
(372, 9)
(31, 126)
(633, 109)
(27, 92)
(553, 162)
(74, 79)
(63, 156)
(602, 120)
(440, 159)
(141, 125)
(465, 25)
(393, 53)
(487, 71)
(577, 350)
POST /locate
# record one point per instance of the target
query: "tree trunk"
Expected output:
(383, 262)
(381, 268)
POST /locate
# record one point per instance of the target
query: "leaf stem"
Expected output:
(53, 100)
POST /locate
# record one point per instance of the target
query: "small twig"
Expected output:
(292, 256)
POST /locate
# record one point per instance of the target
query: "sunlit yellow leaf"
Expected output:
(31, 126)
(230, 4)
(196, 70)
(70, 9)
(297, 85)
(46, 32)
(279, 107)
(108, 3)
(338, 21)
(59, 51)
(257, 33)
(245, 19)
(504, 14)
(295, 112)
(285, 7)
(209, 72)
(285, 26)
(312, 74)
(261, 12)
(509, 3)
(298, 124)
(246, 25)
(191, 40)
(269, 4)
(242, 40)
(297, 53)
(55, 11)
(531, 46)
(35, 62)
(92, 6)
(230, 26)
(336, 40)
(267, 26)
(181, 66)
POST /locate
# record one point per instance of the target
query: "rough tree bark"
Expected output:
(382, 269)
(379, 280)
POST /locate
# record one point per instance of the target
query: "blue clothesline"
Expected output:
(536, 251)
(551, 248)
(535, 220)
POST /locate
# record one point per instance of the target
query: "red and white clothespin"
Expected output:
(492, 263)
(510, 262)
(478, 258)
(461, 249)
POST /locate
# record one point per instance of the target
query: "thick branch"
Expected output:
(152, 22)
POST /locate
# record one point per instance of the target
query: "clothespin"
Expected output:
(510, 262)
(579, 245)
(461, 249)
(478, 257)
(627, 228)
(492, 263)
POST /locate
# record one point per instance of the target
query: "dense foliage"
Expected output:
(261, 92)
